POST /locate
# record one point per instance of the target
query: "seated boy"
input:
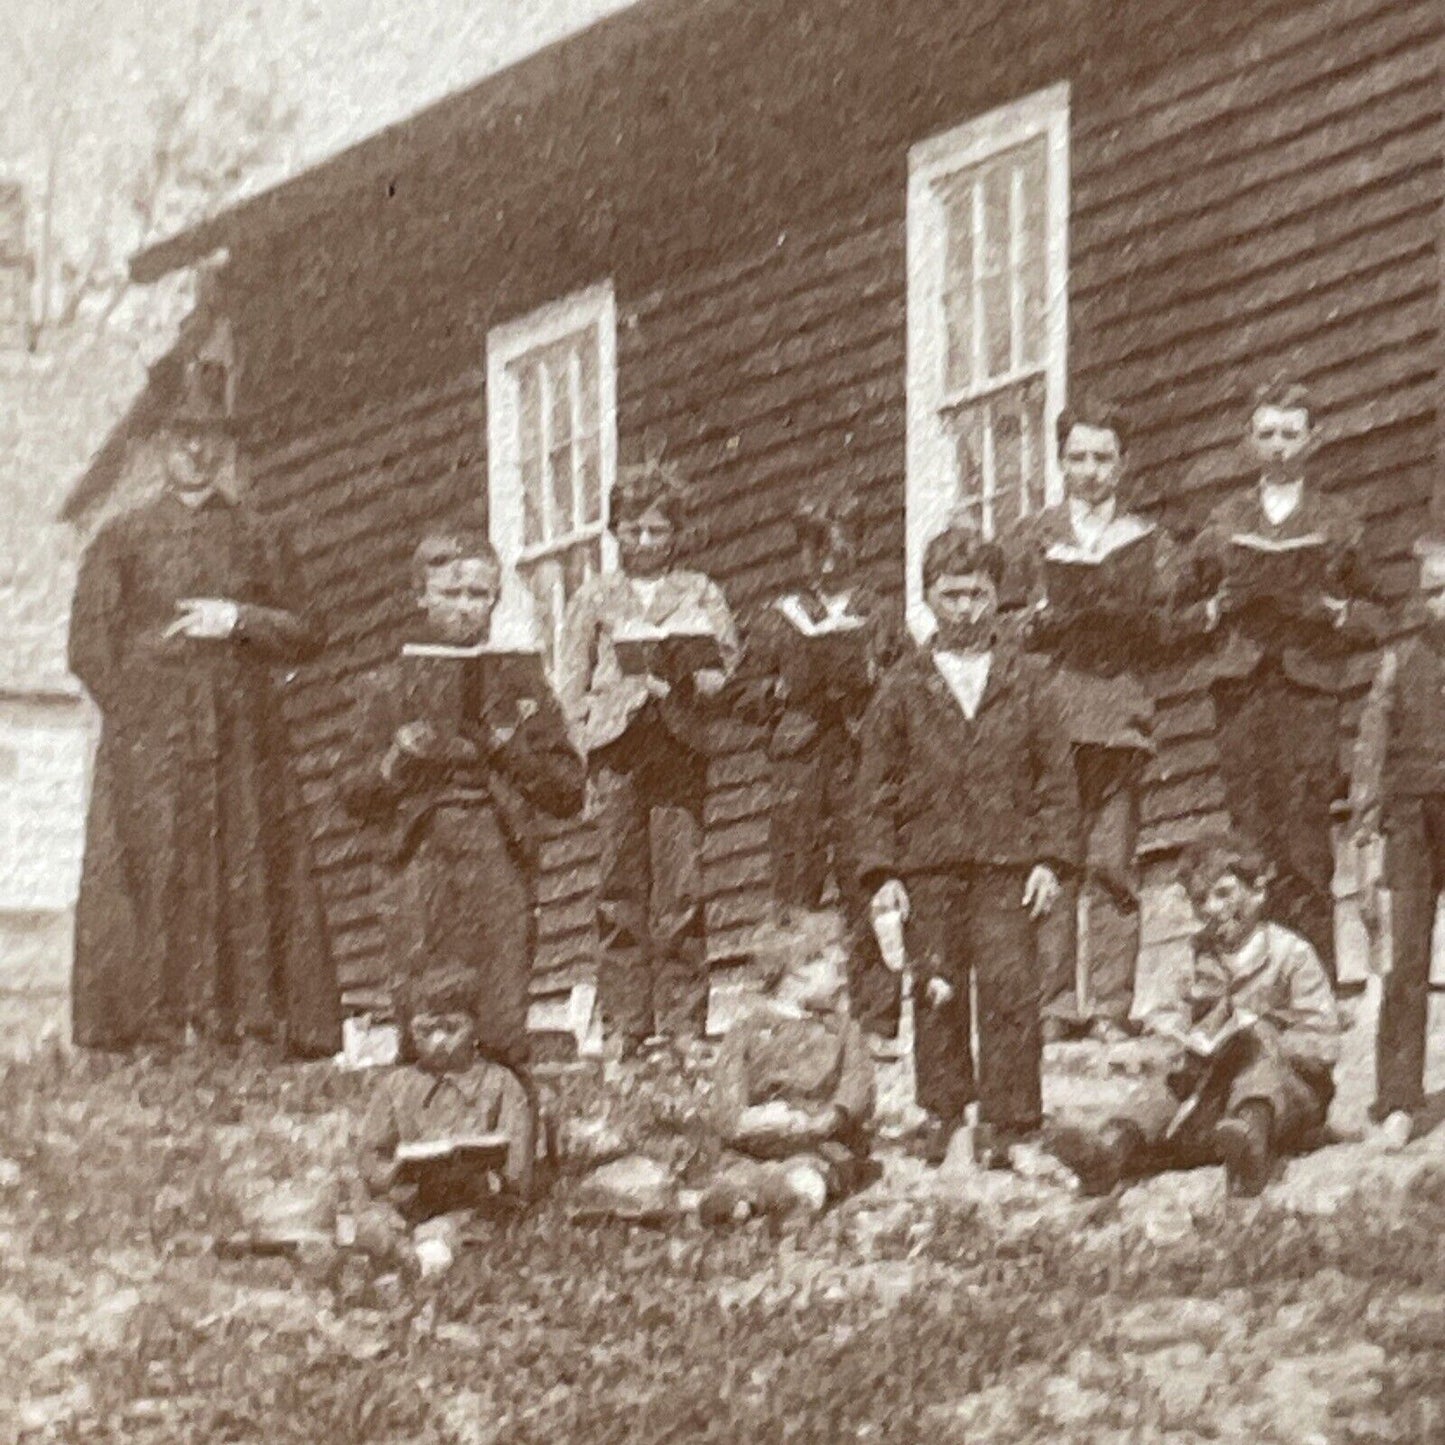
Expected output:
(476, 1118)
(1257, 1032)
(966, 817)
(793, 1100)
(457, 798)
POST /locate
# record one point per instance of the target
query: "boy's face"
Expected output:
(964, 605)
(645, 544)
(445, 1043)
(828, 557)
(1230, 910)
(1092, 463)
(1279, 437)
(459, 598)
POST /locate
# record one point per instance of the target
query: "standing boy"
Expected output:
(1398, 790)
(812, 661)
(457, 797)
(645, 738)
(966, 819)
(1257, 1033)
(1281, 572)
(1089, 573)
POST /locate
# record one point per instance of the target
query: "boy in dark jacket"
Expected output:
(812, 660)
(456, 798)
(1282, 583)
(966, 817)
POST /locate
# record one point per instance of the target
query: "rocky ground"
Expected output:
(944, 1306)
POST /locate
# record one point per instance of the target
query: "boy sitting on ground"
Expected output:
(1257, 1031)
(793, 1100)
(451, 1133)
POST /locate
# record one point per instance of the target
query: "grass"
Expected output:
(948, 1324)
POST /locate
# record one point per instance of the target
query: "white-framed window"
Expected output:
(551, 458)
(988, 257)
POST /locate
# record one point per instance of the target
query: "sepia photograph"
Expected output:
(722, 720)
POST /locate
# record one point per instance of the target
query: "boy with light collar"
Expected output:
(966, 819)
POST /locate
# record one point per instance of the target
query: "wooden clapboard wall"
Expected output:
(1271, 199)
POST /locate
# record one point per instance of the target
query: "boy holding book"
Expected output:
(1279, 580)
(449, 1133)
(1257, 1036)
(646, 654)
(454, 755)
(1088, 575)
(966, 818)
(1397, 793)
(812, 661)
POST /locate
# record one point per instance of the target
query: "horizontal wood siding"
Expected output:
(1274, 207)
(1271, 202)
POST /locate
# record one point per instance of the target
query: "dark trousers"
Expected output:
(972, 926)
(649, 791)
(811, 833)
(462, 900)
(1279, 761)
(1415, 871)
(1108, 781)
(1247, 1072)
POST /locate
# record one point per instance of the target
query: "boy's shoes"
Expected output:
(1395, 1130)
(930, 1143)
(1243, 1141)
(1109, 1031)
(993, 1145)
(1099, 1158)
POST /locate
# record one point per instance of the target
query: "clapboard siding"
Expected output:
(1268, 196)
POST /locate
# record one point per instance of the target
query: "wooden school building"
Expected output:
(865, 241)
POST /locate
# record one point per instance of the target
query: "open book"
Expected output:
(461, 684)
(1266, 566)
(1075, 579)
(477, 1151)
(1211, 1045)
(669, 653)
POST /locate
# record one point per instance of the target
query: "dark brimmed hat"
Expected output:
(202, 402)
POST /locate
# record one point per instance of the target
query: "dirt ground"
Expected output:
(944, 1306)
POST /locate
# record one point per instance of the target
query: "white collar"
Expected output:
(837, 613)
(646, 588)
(1280, 500)
(966, 674)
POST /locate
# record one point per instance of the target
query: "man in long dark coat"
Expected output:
(197, 909)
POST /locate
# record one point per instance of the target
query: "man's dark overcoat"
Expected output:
(197, 903)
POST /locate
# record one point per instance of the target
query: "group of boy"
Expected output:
(983, 786)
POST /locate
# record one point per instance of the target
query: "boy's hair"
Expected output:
(1284, 392)
(1205, 863)
(1092, 411)
(958, 550)
(438, 548)
(438, 989)
(645, 486)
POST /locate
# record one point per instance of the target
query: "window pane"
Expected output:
(1008, 469)
(541, 579)
(997, 281)
(589, 479)
(588, 422)
(529, 425)
(1036, 443)
(1032, 225)
(966, 426)
(958, 283)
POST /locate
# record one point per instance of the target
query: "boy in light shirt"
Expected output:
(1257, 1033)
